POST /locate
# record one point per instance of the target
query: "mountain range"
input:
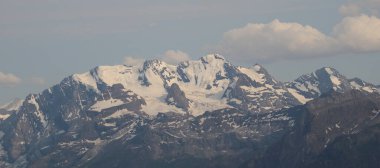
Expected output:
(199, 113)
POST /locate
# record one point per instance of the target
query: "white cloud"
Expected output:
(359, 34)
(175, 56)
(278, 40)
(8, 79)
(275, 40)
(131, 61)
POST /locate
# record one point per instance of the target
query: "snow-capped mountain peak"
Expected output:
(207, 77)
(325, 80)
(318, 82)
(206, 83)
(258, 74)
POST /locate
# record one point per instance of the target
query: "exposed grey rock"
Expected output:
(177, 97)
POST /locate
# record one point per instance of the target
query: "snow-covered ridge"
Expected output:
(359, 84)
(203, 80)
(323, 80)
(210, 83)
(207, 83)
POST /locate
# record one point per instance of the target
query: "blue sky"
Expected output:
(43, 41)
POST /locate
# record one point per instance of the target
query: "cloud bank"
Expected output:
(175, 56)
(359, 33)
(280, 40)
(8, 79)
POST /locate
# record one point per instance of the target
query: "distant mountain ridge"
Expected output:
(213, 80)
(326, 79)
(155, 106)
(7, 109)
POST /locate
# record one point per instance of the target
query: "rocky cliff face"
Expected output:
(177, 97)
(323, 123)
(205, 113)
(353, 150)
